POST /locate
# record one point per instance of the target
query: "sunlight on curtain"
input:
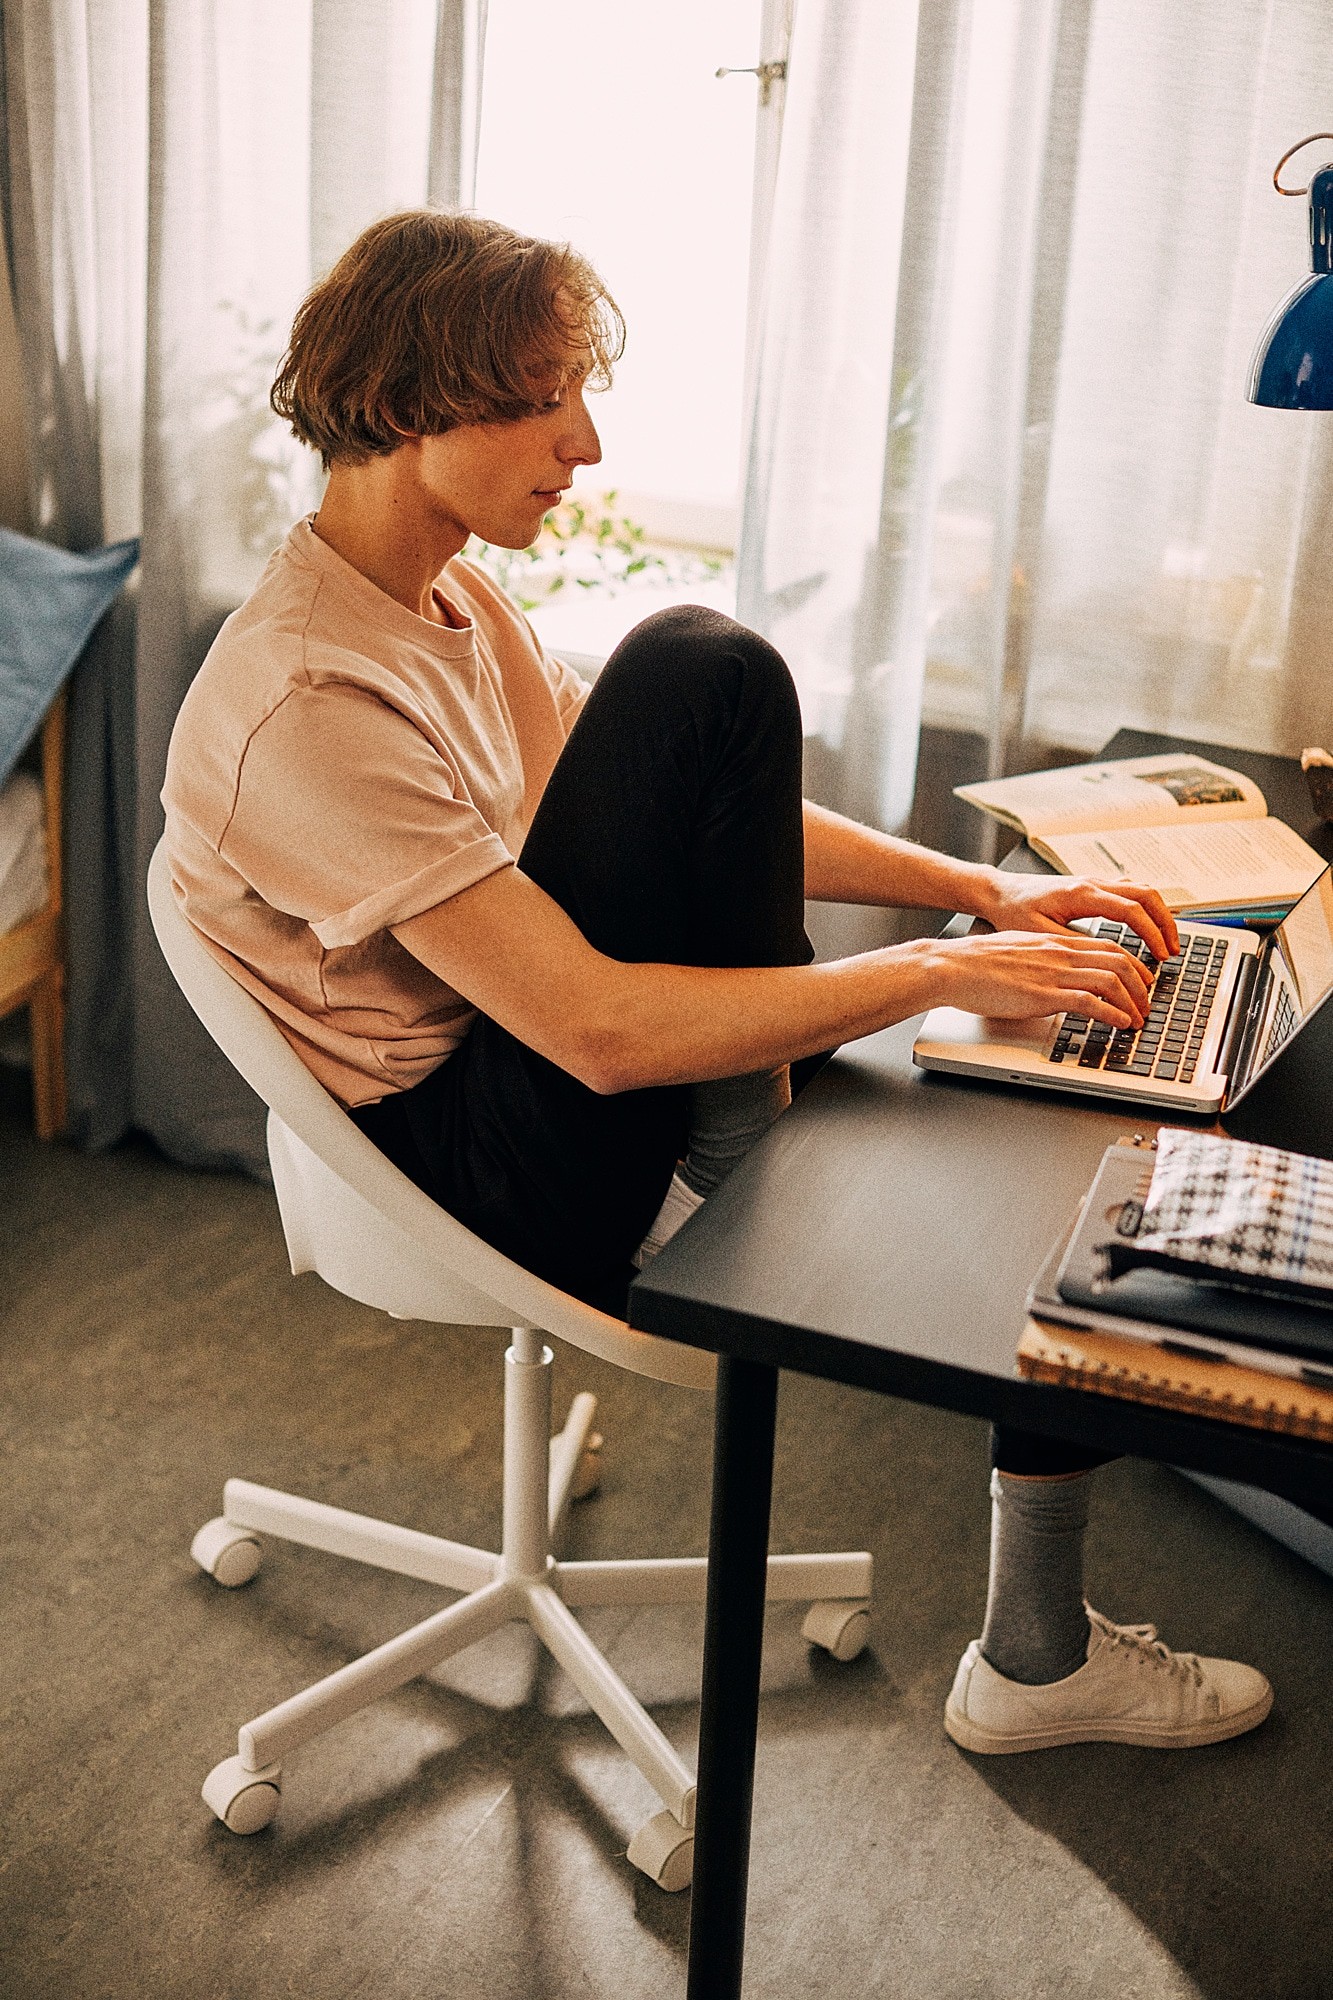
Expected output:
(1003, 473)
(1177, 585)
(605, 124)
(814, 545)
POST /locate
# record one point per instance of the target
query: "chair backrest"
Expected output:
(350, 1215)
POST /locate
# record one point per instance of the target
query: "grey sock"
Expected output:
(726, 1117)
(1036, 1626)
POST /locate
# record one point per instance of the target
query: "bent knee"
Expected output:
(693, 645)
(694, 631)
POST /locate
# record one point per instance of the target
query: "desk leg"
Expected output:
(747, 1398)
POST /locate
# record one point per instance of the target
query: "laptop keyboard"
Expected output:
(1181, 999)
(1284, 1021)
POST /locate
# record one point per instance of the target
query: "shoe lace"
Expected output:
(1152, 1650)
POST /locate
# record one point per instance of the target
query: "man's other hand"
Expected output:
(1052, 902)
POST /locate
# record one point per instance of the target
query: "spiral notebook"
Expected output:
(1108, 1365)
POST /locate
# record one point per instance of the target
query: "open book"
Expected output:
(1189, 828)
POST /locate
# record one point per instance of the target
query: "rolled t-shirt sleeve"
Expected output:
(349, 817)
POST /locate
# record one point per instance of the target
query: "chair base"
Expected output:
(525, 1581)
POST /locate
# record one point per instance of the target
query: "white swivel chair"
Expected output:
(368, 1231)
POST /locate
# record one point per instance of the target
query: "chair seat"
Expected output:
(339, 1196)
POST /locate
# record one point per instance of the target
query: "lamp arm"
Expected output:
(1290, 154)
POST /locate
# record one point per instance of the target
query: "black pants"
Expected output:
(670, 832)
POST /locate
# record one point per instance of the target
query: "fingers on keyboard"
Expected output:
(1170, 1041)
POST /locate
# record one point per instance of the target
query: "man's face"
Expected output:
(497, 481)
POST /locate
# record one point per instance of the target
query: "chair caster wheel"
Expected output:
(588, 1474)
(243, 1800)
(664, 1850)
(841, 1628)
(230, 1555)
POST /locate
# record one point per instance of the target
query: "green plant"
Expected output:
(588, 545)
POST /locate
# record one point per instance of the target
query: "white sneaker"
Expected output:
(1130, 1689)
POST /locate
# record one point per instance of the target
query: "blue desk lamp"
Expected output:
(1292, 367)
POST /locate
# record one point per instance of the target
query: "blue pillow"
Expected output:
(50, 601)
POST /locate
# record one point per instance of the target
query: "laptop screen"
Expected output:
(1304, 942)
(1296, 980)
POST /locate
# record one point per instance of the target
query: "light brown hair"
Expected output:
(434, 318)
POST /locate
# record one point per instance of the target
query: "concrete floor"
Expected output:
(467, 1837)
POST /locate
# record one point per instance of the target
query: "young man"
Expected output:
(559, 974)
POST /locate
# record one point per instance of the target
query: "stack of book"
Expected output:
(1198, 1276)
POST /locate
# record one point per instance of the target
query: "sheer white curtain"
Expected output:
(175, 173)
(1003, 474)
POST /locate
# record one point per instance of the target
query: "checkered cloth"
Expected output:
(1223, 1210)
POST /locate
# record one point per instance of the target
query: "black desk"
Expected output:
(884, 1234)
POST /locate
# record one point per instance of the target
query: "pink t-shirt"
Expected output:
(340, 765)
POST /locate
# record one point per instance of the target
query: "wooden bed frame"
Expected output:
(32, 962)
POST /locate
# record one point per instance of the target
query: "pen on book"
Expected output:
(1119, 866)
(1239, 918)
(1230, 1355)
(1269, 1361)
(1265, 1360)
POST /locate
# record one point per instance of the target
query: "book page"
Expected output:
(1132, 791)
(1210, 867)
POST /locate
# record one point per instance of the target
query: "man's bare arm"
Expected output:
(849, 863)
(510, 950)
(846, 862)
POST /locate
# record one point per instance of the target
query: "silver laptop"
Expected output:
(1219, 1012)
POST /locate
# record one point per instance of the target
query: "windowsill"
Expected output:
(585, 626)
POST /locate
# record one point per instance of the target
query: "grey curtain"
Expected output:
(175, 172)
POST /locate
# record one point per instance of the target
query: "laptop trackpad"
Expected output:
(1033, 1036)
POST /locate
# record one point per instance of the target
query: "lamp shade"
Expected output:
(1292, 367)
